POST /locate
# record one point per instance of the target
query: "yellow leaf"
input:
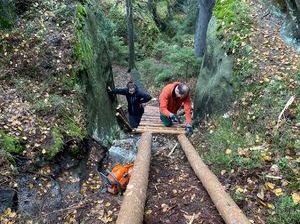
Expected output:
(239, 189)
(269, 185)
(43, 151)
(107, 204)
(7, 212)
(228, 151)
(278, 192)
(266, 158)
(270, 205)
(296, 198)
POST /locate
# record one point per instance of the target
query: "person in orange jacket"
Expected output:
(172, 97)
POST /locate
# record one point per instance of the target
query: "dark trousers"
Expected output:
(134, 120)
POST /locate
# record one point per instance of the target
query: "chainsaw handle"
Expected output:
(113, 176)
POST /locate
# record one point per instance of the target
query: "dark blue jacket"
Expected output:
(134, 100)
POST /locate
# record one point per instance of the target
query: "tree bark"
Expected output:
(130, 32)
(132, 209)
(205, 8)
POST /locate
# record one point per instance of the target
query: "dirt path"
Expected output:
(175, 195)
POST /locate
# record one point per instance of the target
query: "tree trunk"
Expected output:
(130, 31)
(161, 25)
(294, 16)
(205, 8)
(132, 209)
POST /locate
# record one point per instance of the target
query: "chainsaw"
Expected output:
(116, 180)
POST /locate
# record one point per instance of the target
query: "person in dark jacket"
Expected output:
(135, 99)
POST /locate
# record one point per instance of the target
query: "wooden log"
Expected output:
(162, 131)
(152, 124)
(123, 121)
(151, 116)
(132, 208)
(121, 111)
(161, 128)
(228, 209)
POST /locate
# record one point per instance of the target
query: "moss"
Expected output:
(57, 145)
(73, 129)
(93, 41)
(10, 143)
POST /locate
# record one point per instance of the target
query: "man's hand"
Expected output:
(109, 89)
(188, 129)
(173, 118)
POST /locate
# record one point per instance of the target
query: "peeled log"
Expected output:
(132, 209)
(227, 208)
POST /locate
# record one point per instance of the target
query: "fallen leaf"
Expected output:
(269, 185)
(261, 194)
(270, 206)
(296, 198)
(266, 158)
(239, 189)
(228, 151)
(278, 192)
(223, 172)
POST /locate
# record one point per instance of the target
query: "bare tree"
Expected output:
(205, 8)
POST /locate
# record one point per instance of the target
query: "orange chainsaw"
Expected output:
(117, 179)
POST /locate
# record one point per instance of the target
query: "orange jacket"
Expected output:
(170, 104)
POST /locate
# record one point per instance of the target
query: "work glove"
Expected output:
(188, 129)
(173, 118)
